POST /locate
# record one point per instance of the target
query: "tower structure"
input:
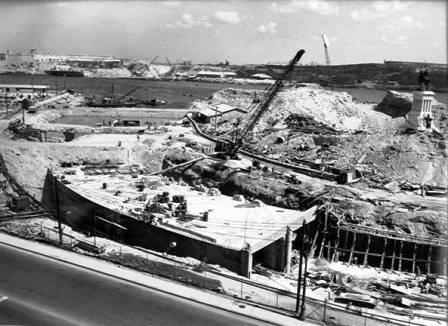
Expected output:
(326, 44)
(420, 117)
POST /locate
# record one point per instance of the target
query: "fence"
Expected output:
(250, 292)
(318, 310)
(284, 301)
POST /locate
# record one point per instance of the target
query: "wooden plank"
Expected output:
(428, 262)
(393, 256)
(366, 254)
(383, 255)
(352, 249)
(414, 257)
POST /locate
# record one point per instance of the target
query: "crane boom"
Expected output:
(327, 54)
(173, 68)
(271, 93)
(127, 93)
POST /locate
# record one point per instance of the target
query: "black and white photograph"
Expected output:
(223, 163)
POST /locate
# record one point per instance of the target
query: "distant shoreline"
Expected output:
(180, 91)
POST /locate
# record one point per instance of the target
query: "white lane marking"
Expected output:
(3, 298)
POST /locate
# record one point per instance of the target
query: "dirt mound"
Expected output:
(111, 73)
(28, 162)
(155, 71)
(334, 109)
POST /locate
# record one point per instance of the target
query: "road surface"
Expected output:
(43, 291)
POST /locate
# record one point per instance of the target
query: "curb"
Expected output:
(144, 285)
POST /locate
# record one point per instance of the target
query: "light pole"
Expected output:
(172, 245)
(299, 278)
(58, 215)
(302, 308)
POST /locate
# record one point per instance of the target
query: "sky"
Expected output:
(240, 31)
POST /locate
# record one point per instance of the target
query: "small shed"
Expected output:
(206, 115)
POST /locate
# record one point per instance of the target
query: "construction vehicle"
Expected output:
(113, 101)
(26, 131)
(231, 148)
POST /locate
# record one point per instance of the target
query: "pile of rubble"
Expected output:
(391, 293)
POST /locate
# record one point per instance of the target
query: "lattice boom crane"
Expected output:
(271, 93)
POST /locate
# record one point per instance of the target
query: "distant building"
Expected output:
(215, 74)
(228, 74)
(83, 61)
(207, 115)
(248, 67)
(260, 76)
(17, 57)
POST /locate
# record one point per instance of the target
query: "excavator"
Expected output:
(231, 148)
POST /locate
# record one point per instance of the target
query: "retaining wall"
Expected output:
(79, 212)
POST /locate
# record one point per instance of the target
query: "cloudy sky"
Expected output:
(240, 31)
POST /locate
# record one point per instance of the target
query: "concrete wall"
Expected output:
(272, 256)
(79, 213)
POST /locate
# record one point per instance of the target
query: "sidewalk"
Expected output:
(149, 281)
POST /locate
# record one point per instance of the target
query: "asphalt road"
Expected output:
(44, 291)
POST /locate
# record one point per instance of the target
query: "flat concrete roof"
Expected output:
(231, 223)
(24, 86)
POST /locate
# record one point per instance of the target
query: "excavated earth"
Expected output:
(410, 217)
(358, 132)
(306, 122)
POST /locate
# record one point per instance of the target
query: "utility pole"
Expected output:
(6, 99)
(303, 308)
(305, 254)
(58, 216)
(299, 279)
(94, 228)
(23, 110)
